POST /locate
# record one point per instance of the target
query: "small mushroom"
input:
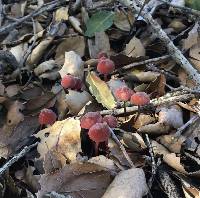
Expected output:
(123, 94)
(99, 133)
(110, 120)
(47, 116)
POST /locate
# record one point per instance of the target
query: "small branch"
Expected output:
(155, 102)
(1, 12)
(188, 123)
(8, 164)
(44, 8)
(175, 53)
(114, 137)
(145, 62)
(184, 9)
(154, 167)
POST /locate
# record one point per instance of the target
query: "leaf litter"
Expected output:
(152, 151)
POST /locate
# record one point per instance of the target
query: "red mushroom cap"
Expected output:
(105, 66)
(110, 120)
(68, 81)
(123, 93)
(140, 98)
(89, 119)
(99, 132)
(47, 116)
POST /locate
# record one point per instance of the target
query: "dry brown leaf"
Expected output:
(89, 180)
(75, 24)
(75, 43)
(13, 138)
(45, 67)
(73, 65)
(159, 149)
(2, 88)
(177, 25)
(12, 90)
(39, 50)
(128, 183)
(185, 80)
(196, 63)
(172, 143)
(75, 100)
(172, 160)
(18, 51)
(64, 136)
(195, 51)
(123, 20)
(61, 14)
(134, 48)
(192, 38)
(157, 128)
(143, 120)
(98, 44)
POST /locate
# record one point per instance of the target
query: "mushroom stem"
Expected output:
(138, 114)
(105, 77)
(125, 110)
(96, 148)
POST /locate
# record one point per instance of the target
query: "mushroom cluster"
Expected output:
(97, 127)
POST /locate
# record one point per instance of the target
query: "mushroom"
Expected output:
(47, 116)
(123, 94)
(105, 66)
(89, 119)
(140, 99)
(99, 133)
(71, 82)
(110, 120)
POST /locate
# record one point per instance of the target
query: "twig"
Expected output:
(175, 53)
(188, 123)
(153, 60)
(1, 12)
(154, 167)
(184, 9)
(154, 103)
(114, 137)
(28, 52)
(23, 152)
(44, 8)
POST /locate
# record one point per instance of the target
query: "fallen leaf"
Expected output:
(134, 48)
(123, 21)
(99, 22)
(177, 25)
(98, 44)
(73, 65)
(61, 14)
(76, 44)
(76, 24)
(89, 180)
(100, 90)
(64, 137)
(128, 183)
(75, 100)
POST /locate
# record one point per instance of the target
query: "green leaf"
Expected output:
(194, 4)
(99, 22)
(100, 90)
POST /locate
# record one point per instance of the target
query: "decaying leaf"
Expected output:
(99, 44)
(73, 65)
(134, 48)
(76, 44)
(124, 20)
(128, 183)
(89, 180)
(61, 14)
(100, 90)
(63, 136)
(76, 24)
(75, 100)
